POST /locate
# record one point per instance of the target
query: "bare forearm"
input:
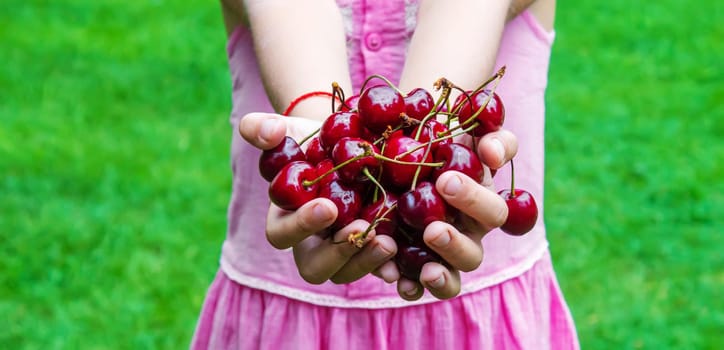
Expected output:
(298, 52)
(455, 39)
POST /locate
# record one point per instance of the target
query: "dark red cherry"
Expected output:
(348, 148)
(418, 103)
(324, 167)
(410, 259)
(432, 130)
(400, 176)
(287, 190)
(423, 205)
(522, 212)
(337, 126)
(381, 209)
(315, 153)
(347, 200)
(380, 107)
(368, 135)
(460, 158)
(273, 160)
(492, 116)
(350, 104)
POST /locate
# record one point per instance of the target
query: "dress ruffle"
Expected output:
(525, 312)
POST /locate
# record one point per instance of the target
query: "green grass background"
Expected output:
(114, 174)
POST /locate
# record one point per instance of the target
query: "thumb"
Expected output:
(263, 130)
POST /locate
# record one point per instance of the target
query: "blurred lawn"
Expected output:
(114, 172)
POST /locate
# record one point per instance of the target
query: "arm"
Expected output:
(459, 40)
(300, 46)
(442, 45)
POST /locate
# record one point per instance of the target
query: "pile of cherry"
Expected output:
(377, 157)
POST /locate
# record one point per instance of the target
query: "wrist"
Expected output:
(316, 105)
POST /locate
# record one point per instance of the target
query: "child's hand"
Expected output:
(460, 246)
(318, 259)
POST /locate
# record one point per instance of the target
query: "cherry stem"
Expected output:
(460, 106)
(423, 122)
(377, 185)
(387, 81)
(495, 78)
(307, 183)
(406, 122)
(358, 239)
(308, 137)
(338, 92)
(377, 188)
(401, 162)
(419, 168)
(498, 74)
(446, 86)
(512, 179)
(440, 139)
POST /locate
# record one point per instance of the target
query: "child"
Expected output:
(323, 295)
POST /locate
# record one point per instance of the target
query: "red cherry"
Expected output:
(382, 207)
(287, 190)
(400, 176)
(273, 160)
(348, 148)
(432, 130)
(460, 158)
(350, 104)
(423, 205)
(522, 212)
(315, 153)
(347, 200)
(380, 107)
(337, 126)
(491, 118)
(410, 259)
(418, 103)
(324, 167)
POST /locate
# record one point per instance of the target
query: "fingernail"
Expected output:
(267, 128)
(380, 253)
(438, 283)
(453, 185)
(497, 146)
(411, 292)
(321, 213)
(441, 240)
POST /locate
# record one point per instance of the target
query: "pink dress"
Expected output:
(513, 301)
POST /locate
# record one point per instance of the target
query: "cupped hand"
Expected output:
(460, 245)
(318, 258)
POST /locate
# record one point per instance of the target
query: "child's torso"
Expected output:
(378, 33)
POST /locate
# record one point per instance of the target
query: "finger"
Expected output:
(409, 290)
(497, 148)
(387, 271)
(379, 250)
(471, 198)
(441, 282)
(319, 259)
(471, 228)
(285, 229)
(263, 130)
(459, 250)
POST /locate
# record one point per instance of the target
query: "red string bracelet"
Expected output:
(296, 101)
